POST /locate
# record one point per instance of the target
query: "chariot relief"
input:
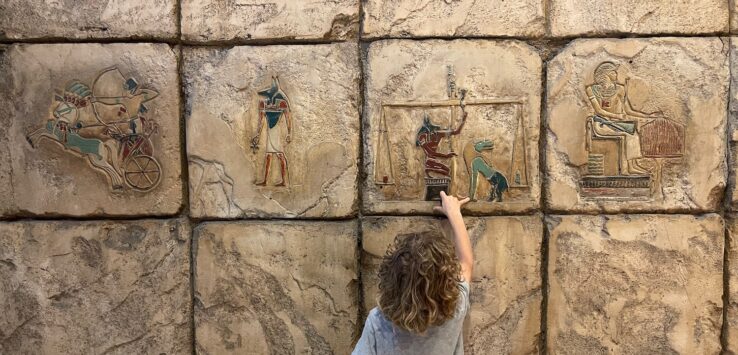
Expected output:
(108, 123)
(626, 148)
(453, 150)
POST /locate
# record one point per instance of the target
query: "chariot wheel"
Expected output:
(142, 172)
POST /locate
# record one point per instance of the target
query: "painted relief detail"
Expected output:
(274, 110)
(626, 148)
(108, 124)
(444, 140)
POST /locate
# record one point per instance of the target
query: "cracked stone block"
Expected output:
(88, 19)
(602, 17)
(214, 20)
(505, 295)
(637, 125)
(94, 130)
(457, 18)
(460, 116)
(284, 288)
(639, 284)
(103, 287)
(273, 131)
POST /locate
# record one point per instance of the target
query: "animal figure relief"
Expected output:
(117, 141)
(476, 164)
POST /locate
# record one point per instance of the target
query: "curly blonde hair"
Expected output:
(419, 281)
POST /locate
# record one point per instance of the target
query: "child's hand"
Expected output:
(450, 205)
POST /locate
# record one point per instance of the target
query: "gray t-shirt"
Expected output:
(380, 336)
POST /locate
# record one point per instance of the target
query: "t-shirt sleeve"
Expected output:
(464, 294)
(367, 344)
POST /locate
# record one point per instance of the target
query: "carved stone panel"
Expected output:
(214, 20)
(272, 131)
(601, 17)
(458, 116)
(98, 287)
(266, 288)
(506, 284)
(637, 125)
(94, 130)
(457, 18)
(24, 19)
(639, 284)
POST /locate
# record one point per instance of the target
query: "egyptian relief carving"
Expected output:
(456, 151)
(106, 122)
(626, 148)
(274, 112)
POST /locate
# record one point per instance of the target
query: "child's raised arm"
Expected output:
(451, 207)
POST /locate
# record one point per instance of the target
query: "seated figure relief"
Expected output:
(626, 148)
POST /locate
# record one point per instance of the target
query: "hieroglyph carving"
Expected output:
(274, 109)
(437, 141)
(626, 148)
(106, 123)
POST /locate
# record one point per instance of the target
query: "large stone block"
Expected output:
(417, 142)
(24, 19)
(99, 287)
(505, 292)
(212, 20)
(90, 130)
(639, 284)
(266, 288)
(454, 18)
(602, 17)
(637, 125)
(273, 131)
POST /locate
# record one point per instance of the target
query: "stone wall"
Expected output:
(203, 176)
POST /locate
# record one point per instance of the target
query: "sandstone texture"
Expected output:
(602, 17)
(637, 125)
(732, 193)
(732, 276)
(87, 19)
(455, 18)
(266, 288)
(639, 284)
(95, 287)
(213, 20)
(92, 130)
(506, 285)
(260, 116)
(417, 143)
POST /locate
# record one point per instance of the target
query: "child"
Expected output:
(423, 292)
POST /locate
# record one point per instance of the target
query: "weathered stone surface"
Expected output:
(407, 80)
(23, 19)
(506, 285)
(319, 88)
(641, 284)
(208, 20)
(669, 100)
(456, 18)
(601, 17)
(732, 193)
(95, 287)
(61, 159)
(284, 288)
(732, 274)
